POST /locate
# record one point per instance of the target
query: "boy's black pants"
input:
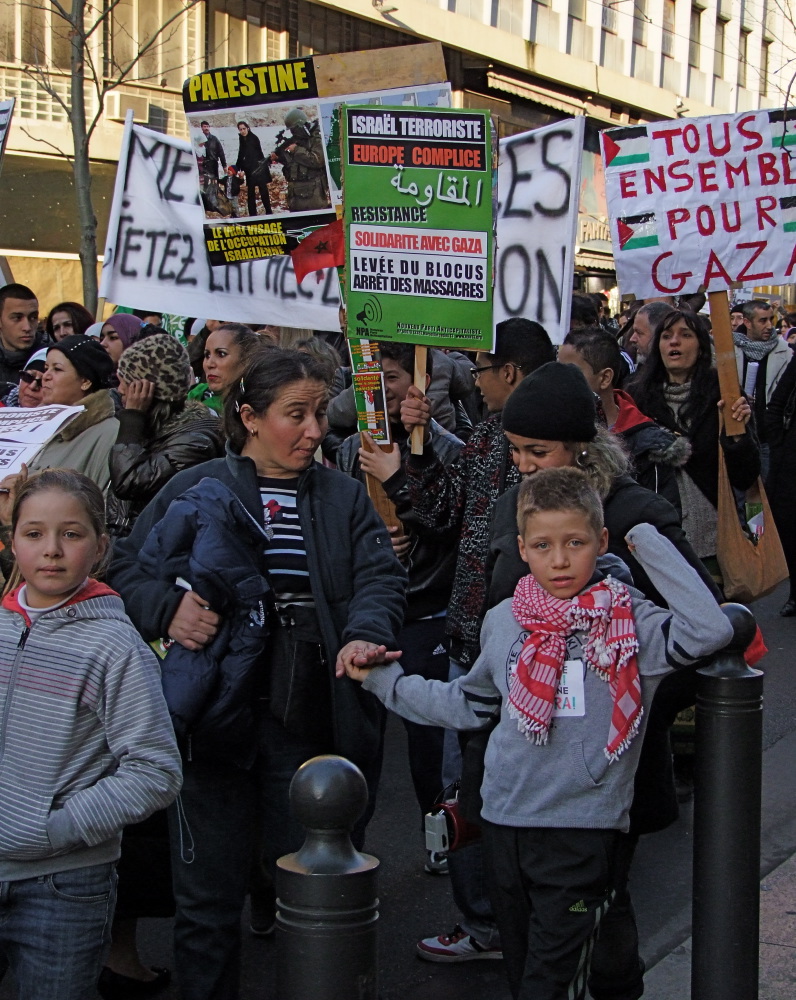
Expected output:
(549, 888)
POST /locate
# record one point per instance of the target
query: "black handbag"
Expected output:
(299, 684)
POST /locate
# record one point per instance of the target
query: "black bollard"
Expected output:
(327, 908)
(728, 776)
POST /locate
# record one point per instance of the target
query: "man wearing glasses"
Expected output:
(461, 497)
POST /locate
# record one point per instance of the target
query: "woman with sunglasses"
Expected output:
(28, 393)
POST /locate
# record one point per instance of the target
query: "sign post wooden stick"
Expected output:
(385, 508)
(725, 358)
(421, 365)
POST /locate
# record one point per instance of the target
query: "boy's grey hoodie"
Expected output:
(567, 782)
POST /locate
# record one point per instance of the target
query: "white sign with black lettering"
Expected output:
(538, 186)
(155, 256)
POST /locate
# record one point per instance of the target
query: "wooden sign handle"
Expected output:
(421, 365)
(725, 359)
(385, 508)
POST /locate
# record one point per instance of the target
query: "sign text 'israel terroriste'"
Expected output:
(419, 225)
(703, 203)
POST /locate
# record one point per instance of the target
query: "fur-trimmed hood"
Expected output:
(97, 406)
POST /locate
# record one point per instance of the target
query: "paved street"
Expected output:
(414, 904)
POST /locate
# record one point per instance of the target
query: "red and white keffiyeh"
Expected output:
(604, 612)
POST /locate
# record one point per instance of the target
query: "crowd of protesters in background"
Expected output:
(212, 488)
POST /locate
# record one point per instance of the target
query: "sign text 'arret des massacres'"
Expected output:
(418, 211)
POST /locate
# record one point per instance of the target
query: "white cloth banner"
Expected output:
(155, 257)
(538, 188)
(703, 203)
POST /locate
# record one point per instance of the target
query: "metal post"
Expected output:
(728, 774)
(327, 908)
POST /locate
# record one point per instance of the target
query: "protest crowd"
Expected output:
(236, 606)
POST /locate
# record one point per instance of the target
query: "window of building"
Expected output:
(694, 38)
(175, 52)
(507, 15)
(609, 17)
(667, 40)
(764, 56)
(743, 57)
(640, 22)
(718, 49)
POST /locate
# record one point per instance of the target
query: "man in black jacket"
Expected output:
(213, 153)
(19, 339)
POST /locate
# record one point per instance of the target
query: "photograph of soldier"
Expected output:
(252, 164)
(303, 163)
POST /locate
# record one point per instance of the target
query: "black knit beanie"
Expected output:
(553, 403)
(89, 359)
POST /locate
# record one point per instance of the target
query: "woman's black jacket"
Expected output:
(358, 584)
(250, 153)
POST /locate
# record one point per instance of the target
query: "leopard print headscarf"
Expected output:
(161, 359)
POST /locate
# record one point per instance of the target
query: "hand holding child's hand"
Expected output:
(357, 658)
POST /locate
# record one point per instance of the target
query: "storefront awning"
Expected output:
(594, 262)
(533, 92)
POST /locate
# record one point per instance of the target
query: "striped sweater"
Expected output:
(86, 743)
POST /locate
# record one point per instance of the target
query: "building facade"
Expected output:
(530, 62)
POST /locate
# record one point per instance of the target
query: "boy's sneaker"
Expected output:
(458, 946)
(436, 863)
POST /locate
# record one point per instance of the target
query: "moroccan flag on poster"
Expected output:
(323, 247)
(783, 127)
(636, 231)
(626, 145)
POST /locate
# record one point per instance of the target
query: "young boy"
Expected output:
(568, 664)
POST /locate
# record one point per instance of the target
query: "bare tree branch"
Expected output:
(46, 142)
(44, 79)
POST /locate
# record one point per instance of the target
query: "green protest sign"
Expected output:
(417, 196)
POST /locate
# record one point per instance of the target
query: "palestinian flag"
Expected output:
(787, 207)
(626, 145)
(637, 231)
(783, 127)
